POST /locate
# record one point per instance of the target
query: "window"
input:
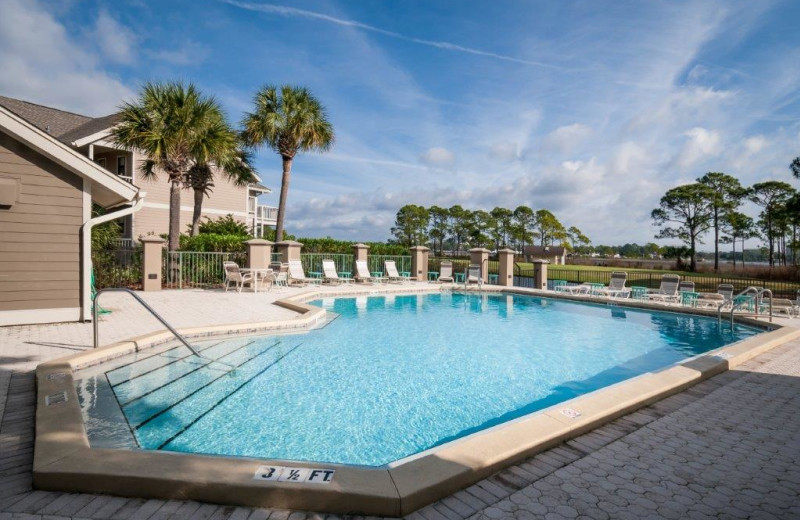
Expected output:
(102, 161)
(121, 166)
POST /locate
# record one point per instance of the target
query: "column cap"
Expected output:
(258, 242)
(420, 248)
(288, 243)
(153, 239)
(360, 246)
(507, 250)
(479, 250)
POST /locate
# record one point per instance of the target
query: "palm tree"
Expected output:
(200, 178)
(177, 128)
(288, 120)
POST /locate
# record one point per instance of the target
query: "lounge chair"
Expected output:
(710, 300)
(583, 288)
(616, 286)
(280, 274)
(686, 286)
(391, 272)
(780, 306)
(297, 276)
(363, 274)
(667, 291)
(330, 274)
(446, 272)
(234, 276)
(473, 276)
(726, 290)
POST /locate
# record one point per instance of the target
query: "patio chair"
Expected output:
(363, 274)
(616, 286)
(446, 272)
(710, 300)
(583, 288)
(234, 276)
(667, 291)
(686, 286)
(473, 276)
(392, 275)
(297, 276)
(330, 274)
(780, 306)
(726, 290)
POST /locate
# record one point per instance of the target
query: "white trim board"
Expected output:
(35, 316)
(210, 211)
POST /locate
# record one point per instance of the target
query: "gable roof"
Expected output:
(67, 127)
(107, 189)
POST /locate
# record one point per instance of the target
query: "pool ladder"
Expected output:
(96, 321)
(759, 293)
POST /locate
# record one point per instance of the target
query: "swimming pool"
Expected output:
(389, 377)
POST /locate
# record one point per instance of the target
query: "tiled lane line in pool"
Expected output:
(243, 378)
(164, 400)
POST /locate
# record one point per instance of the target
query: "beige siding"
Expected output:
(225, 198)
(40, 234)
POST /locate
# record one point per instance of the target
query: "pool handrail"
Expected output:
(96, 321)
(759, 293)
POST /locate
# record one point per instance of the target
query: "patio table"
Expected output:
(376, 274)
(689, 298)
(595, 286)
(460, 277)
(405, 274)
(259, 274)
(315, 274)
(433, 275)
(638, 292)
(494, 278)
(344, 274)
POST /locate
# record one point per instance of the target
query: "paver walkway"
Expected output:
(726, 448)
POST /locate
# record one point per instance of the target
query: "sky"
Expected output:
(591, 109)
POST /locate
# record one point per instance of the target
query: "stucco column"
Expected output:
(480, 256)
(360, 253)
(419, 263)
(152, 262)
(506, 267)
(540, 274)
(259, 253)
(289, 250)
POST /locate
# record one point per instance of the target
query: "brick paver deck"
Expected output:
(726, 448)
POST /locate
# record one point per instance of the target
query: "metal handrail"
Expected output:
(759, 293)
(96, 321)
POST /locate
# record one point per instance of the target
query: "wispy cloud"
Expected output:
(283, 10)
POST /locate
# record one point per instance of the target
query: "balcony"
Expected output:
(260, 217)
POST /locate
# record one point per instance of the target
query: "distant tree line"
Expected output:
(456, 229)
(711, 205)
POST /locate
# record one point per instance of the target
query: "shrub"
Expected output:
(213, 242)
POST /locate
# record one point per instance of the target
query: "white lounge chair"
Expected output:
(391, 272)
(584, 288)
(667, 291)
(473, 276)
(363, 274)
(297, 276)
(446, 272)
(780, 306)
(710, 300)
(234, 276)
(726, 290)
(616, 286)
(330, 274)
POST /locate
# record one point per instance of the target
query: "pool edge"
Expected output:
(64, 461)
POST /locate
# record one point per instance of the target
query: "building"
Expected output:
(553, 254)
(90, 137)
(47, 189)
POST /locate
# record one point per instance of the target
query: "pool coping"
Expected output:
(64, 460)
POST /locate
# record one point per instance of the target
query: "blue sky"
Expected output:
(590, 109)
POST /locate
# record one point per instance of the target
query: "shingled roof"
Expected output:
(64, 126)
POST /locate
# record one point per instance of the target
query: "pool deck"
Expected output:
(728, 447)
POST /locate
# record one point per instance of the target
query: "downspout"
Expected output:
(86, 251)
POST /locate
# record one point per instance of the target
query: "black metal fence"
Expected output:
(117, 268)
(460, 265)
(652, 280)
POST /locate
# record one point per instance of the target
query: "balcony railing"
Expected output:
(265, 214)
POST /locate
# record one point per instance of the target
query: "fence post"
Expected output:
(540, 274)
(506, 267)
(289, 250)
(419, 263)
(259, 253)
(360, 254)
(152, 257)
(480, 256)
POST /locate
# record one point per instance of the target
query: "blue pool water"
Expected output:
(389, 377)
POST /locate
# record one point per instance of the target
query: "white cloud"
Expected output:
(567, 138)
(506, 151)
(701, 144)
(755, 144)
(42, 63)
(114, 40)
(438, 156)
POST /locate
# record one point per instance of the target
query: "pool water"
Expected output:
(389, 377)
